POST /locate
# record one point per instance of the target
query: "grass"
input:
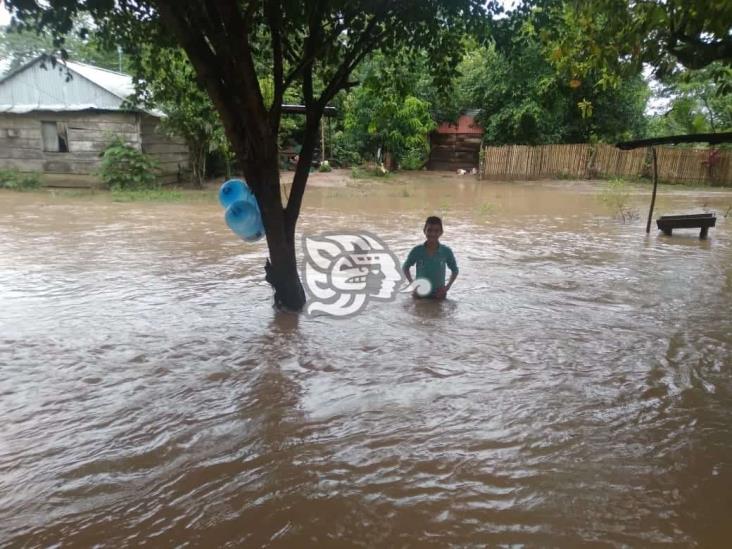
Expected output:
(18, 181)
(365, 172)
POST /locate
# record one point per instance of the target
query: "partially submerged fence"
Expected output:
(588, 161)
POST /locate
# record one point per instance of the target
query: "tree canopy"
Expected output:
(611, 35)
(698, 102)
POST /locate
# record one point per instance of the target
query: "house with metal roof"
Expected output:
(58, 120)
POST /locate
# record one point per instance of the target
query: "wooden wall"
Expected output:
(452, 151)
(88, 132)
(171, 153)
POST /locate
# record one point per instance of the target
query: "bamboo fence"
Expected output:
(693, 166)
(682, 165)
(527, 162)
(609, 161)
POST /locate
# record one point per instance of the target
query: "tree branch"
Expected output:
(274, 18)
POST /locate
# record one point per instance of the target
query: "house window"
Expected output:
(55, 138)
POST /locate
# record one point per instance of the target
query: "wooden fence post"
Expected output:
(655, 185)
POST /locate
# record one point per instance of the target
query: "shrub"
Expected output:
(13, 179)
(358, 172)
(413, 159)
(344, 150)
(126, 168)
(325, 166)
(617, 198)
(371, 170)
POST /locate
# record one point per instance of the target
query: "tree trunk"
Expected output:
(281, 267)
(279, 223)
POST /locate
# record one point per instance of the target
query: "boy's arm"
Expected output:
(452, 265)
(407, 266)
(453, 276)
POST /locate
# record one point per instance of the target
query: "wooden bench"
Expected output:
(667, 223)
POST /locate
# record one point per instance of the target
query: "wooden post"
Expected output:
(655, 185)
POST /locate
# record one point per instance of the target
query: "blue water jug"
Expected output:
(233, 190)
(244, 218)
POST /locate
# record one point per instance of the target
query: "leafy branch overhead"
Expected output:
(606, 40)
(611, 35)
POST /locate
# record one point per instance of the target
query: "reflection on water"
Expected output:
(575, 388)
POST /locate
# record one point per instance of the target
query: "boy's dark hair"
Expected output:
(433, 220)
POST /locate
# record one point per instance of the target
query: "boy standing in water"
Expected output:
(431, 258)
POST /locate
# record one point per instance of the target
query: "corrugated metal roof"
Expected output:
(33, 88)
(114, 82)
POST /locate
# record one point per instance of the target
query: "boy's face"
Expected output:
(433, 232)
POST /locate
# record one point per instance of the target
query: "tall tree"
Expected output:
(304, 40)
(524, 99)
(165, 79)
(612, 36)
(599, 45)
(385, 113)
(699, 102)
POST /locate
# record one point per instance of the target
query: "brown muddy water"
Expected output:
(574, 390)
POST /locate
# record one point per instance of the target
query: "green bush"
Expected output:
(413, 159)
(126, 168)
(344, 150)
(357, 172)
(368, 171)
(325, 166)
(13, 179)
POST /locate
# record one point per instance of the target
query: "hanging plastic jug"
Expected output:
(233, 190)
(243, 217)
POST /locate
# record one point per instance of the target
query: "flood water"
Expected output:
(574, 390)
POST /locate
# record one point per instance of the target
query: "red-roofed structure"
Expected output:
(456, 145)
(465, 125)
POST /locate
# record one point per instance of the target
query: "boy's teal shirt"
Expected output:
(432, 267)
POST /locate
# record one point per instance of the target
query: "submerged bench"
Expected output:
(668, 223)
